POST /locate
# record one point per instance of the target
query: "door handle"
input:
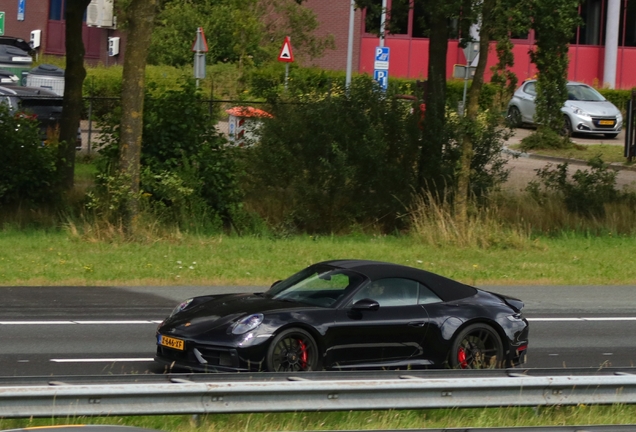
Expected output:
(417, 323)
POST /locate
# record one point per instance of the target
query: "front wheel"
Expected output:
(567, 126)
(514, 117)
(611, 135)
(478, 346)
(293, 350)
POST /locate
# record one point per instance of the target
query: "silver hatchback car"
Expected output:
(586, 111)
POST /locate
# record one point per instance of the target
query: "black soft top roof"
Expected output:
(445, 288)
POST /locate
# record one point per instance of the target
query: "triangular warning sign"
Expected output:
(286, 54)
(200, 43)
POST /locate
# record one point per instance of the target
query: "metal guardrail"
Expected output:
(204, 394)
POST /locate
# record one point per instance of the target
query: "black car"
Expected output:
(43, 104)
(344, 315)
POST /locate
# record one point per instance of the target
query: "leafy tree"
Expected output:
(554, 22)
(188, 173)
(325, 163)
(242, 31)
(140, 16)
(498, 19)
(73, 82)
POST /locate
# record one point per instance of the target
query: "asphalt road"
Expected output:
(107, 330)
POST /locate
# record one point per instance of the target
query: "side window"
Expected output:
(531, 89)
(390, 292)
(427, 296)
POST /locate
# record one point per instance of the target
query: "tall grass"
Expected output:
(434, 223)
(363, 420)
(513, 221)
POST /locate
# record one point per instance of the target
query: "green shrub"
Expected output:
(189, 173)
(586, 192)
(326, 163)
(28, 176)
(268, 82)
(617, 97)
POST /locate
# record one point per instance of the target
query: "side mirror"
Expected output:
(366, 304)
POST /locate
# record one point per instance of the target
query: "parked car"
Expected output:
(344, 315)
(45, 105)
(586, 111)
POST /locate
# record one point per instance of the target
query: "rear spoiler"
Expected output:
(514, 303)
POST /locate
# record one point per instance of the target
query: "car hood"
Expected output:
(595, 108)
(212, 312)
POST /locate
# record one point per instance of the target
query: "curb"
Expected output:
(617, 166)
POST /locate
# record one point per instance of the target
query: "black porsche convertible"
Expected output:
(347, 315)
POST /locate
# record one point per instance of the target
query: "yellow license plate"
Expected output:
(173, 343)
(606, 122)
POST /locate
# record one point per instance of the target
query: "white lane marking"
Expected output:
(584, 319)
(101, 360)
(103, 322)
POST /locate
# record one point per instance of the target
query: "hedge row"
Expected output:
(225, 81)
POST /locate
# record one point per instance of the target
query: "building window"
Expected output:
(56, 10)
(627, 31)
(372, 17)
(397, 18)
(592, 13)
(421, 21)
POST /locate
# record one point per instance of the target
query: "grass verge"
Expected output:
(56, 258)
(364, 420)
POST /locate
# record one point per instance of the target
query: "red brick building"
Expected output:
(602, 51)
(47, 16)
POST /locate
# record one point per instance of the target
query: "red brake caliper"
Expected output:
(461, 358)
(303, 354)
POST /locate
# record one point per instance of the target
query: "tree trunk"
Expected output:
(140, 23)
(73, 81)
(472, 109)
(430, 171)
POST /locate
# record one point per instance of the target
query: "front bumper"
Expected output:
(198, 357)
(596, 125)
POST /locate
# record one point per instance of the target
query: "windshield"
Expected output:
(317, 285)
(583, 92)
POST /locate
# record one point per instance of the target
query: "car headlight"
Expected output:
(247, 323)
(578, 111)
(181, 306)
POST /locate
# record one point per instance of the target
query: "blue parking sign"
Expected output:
(381, 58)
(381, 77)
(21, 8)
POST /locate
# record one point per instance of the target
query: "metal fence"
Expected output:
(97, 108)
(233, 393)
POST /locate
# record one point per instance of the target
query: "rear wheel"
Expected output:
(478, 346)
(293, 350)
(514, 117)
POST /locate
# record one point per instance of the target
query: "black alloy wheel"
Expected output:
(293, 350)
(478, 346)
(514, 117)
